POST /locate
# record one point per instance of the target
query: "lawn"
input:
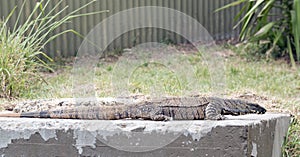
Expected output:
(269, 80)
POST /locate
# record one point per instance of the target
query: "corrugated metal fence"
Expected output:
(219, 24)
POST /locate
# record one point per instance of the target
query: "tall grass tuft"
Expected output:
(22, 46)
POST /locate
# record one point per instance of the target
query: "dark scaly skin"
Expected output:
(218, 107)
(186, 108)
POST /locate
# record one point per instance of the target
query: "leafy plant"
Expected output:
(21, 46)
(281, 34)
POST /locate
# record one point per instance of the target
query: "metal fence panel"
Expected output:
(218, 24)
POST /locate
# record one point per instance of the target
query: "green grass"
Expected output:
(154, 76)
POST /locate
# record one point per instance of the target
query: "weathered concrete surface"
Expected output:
(248, 135)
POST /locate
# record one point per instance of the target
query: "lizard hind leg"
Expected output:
(213, 112)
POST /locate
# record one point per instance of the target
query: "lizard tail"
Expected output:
(10, 114)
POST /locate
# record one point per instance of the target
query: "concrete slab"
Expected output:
(247, 135)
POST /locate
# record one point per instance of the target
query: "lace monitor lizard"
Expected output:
(169, 108)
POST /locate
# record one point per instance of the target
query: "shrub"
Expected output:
(281, 35)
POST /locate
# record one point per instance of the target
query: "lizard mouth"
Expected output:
(255, 108)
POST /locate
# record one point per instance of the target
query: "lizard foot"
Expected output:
(161, 118)
(216, 117)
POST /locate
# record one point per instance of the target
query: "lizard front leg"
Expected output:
(158, 114)
(213, 112)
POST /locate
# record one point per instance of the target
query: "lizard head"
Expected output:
(255, 108)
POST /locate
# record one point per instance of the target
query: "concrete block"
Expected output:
(247, 135)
